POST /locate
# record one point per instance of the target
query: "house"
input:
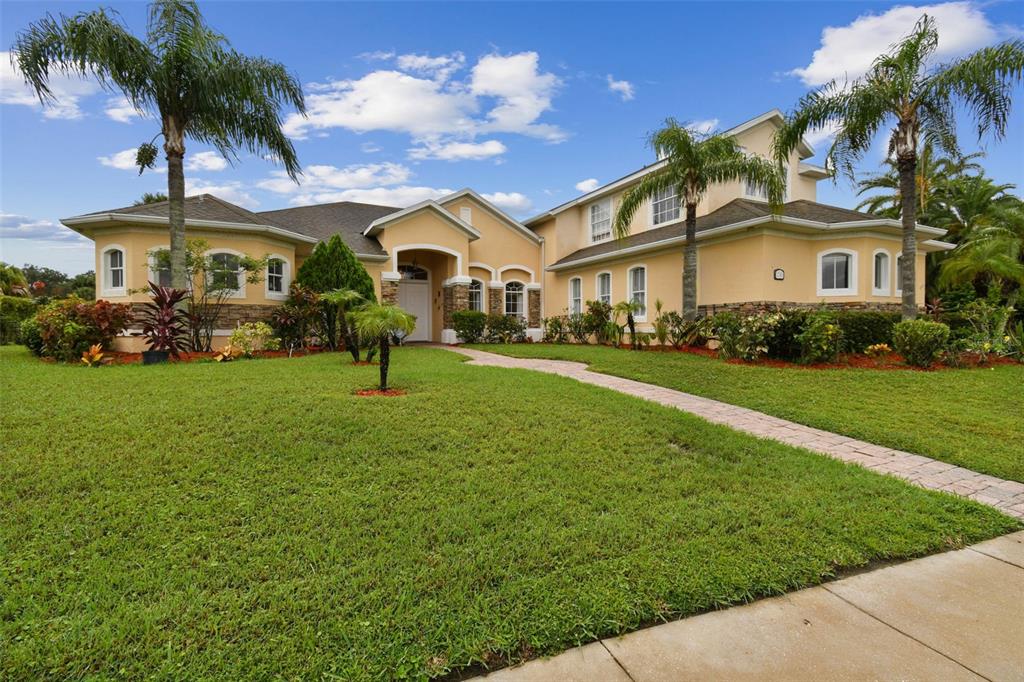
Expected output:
(461, 251)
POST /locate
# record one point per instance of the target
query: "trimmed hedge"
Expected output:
(469, 325)
(13, 311)
(920, 342)
(863, 328)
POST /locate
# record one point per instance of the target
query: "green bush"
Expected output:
(31, 335)
(555, 330)
(579, 327)
(13, 311)
(596, 318)
(863, 328)
(785, 345)
(920, 342)
(821, 337)
(505, 329)
(69, 326)
(726, 326)
(469, 325)
(253, 337)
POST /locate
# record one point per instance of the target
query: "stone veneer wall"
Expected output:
(494, 300)
(752, 307)
(456, 297)
(533, 308)
(231, 315)
(389, 292)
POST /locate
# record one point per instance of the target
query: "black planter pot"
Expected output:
(153, 357)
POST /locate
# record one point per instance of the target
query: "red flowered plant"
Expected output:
(68, 327)
(164, 323)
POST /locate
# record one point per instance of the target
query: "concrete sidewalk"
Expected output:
(951, 616)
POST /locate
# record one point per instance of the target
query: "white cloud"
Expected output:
(369, 148)
(123, 160)
(205, 161)
(233, 192)
(67, 90)
(588, 185)
(513, 202)
(14, 226)
(121, 110)
(378, 55)
(623, 89)
(820, 136)
(318, 179)
(400, 196)
(458, 151)
(705, 127)
(510, 91)
(847, 51)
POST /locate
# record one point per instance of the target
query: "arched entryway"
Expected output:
(414, 296)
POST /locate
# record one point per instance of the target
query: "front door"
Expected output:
(414, 298)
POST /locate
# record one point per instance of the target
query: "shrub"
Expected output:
(469, 325)
(505, 329)
(69, 326)
(13, 311)
(785, 343)
(988, 323)
(555, 330)
(726, 326)
(31, 335)
(661, 328)
(253, 337)
(577, 325)
(164, 322)
(920, 342)
(877, 350)
(821, 337)
(597, 317)
(1014, 342)
(746, 338)
(863, 328)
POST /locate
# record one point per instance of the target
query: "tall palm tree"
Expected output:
(381, 322)
(902, 87)
(693, 163)
(184, 73)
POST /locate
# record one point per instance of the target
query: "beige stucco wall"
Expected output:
(426, 229)
(138, 241)
(500, 245)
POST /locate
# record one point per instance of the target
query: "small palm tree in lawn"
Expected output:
(345, 303)
(693, 163)
(381, 322)
(629, 309)
(903, 88)
(184, 73)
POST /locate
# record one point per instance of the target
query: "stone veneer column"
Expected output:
(495, 298)
(533, 307)
(388, 292)
(456, 297)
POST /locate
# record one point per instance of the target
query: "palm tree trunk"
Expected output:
(385, 360)
(174, 145)
(690, 265)
(351, 338)
(631, 323)
(907, 164)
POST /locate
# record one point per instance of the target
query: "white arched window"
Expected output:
(604, 287)
(113, 262)
(637, 278)
(476, 295)
(899, 274)
(225, 274)
(575, 296)
(880, 274)
(278, 278)
(837, 272)
(514, 299)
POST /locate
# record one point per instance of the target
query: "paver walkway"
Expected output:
(1007, 496)
(952, 616)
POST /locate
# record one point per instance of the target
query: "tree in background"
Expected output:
(12, 281)
(694, 162)
(332, 267)
(53, 283)
(151, 198)
(903, 88)
(185, 74)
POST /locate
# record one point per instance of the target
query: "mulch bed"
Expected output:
(119, 358)
(372, 392)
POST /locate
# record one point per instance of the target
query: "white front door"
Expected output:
(414, 298)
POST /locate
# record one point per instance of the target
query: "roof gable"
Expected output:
(502, 217)
(453, 221)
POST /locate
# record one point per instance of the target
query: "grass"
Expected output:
(257, 520)
(971, 418)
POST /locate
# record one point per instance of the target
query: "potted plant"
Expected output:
(163, 325)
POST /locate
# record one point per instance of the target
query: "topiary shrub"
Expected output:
(920, 342)
(821, 337)
(13, 311)
(469, 325)
(863, 328)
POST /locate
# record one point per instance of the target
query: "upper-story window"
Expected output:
(638, 290)
(225, 271)
(113, 271)
(277, 277)
(575, 296)
(664, 206)
(837, 272)
(514, 300)
(601, 220)
(476, 295)
(604, 287)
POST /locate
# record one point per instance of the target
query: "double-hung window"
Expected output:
(113, 272)
(476, 295)
(225, 272)
(575, 296)
(638, 290)
(514, 300)
(604, 287)
(664, 206)
(601, 220)
(275, 276)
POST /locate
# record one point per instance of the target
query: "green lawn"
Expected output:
(257, 520)
(972, 418)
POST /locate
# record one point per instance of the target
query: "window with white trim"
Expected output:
(638, 289)
(664, 206)
(160, 267)
(601, 220)
(514, 300)
(880, 278)
(575, 296)
(899, 274)
(836, 273)
(225, 271)
(604, 287)
(476, 295)
(275, 276)
(113, 270)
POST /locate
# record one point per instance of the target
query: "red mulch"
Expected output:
(370, 392)
(119, 358)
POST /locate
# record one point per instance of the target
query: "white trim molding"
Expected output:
(495, 284)
(378, 225)
(515, 266)
(484, 266)
(92, 218)
(425, 247)
(647, 289)
(105, 272)
(851, 287)
(242, 275)
(886, 288)
(597, 286)
(457, 279)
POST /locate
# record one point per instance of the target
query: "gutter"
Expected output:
(211, 224)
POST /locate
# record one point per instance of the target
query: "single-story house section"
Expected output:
(462, 252)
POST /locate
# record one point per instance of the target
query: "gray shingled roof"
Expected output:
(198, 207)
(346, 218)
(735, 211)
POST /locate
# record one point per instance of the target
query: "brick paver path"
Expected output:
(1007, 496)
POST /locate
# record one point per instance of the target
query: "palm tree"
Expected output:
(381, 322)
(992, 253)
(151, 198)
(975, 201)
(694, 162)
(629, 309)
(902, 88)
(184, 73)
(344, 303)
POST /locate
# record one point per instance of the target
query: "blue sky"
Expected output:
(528, 104)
